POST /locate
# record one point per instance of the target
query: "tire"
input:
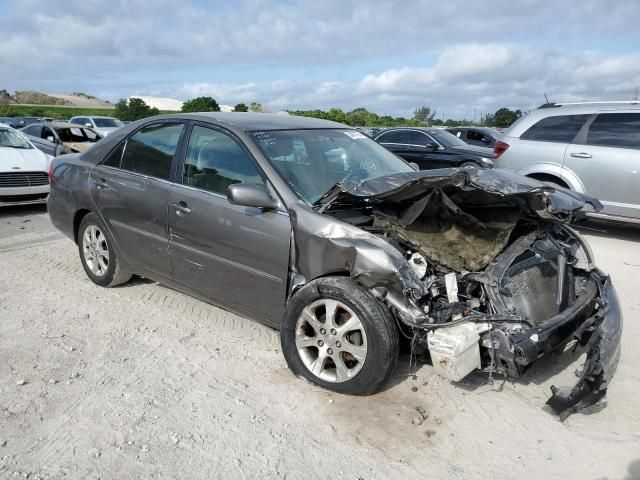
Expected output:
(365, 339)
(470, 165)
(100, 264)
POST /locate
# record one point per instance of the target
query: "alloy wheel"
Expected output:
(331, 340)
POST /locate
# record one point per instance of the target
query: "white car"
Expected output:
(103, 125)
(24, 169)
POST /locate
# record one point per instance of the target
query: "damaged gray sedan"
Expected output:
(311, 227)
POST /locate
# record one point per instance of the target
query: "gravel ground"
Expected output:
(144, 382)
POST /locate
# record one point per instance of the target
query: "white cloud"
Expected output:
(487, 54)
(501, 75)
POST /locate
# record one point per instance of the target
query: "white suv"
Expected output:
(593, 148)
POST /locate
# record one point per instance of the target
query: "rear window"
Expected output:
(615, 130)
(560, 128)
(150, 151)
(394, 136)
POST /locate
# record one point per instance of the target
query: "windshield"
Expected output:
(107, 122)
(447, 139)
(313, 161)
(12, 139)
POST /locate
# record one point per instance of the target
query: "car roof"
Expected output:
(557, 109)
(57, 125)
(92, 116)
(250, 122)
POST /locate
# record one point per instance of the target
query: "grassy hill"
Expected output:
(53, 111)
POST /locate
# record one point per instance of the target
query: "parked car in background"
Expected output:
(19, 122)
(434, 148)
(23, 169)
(61, 137)
(591, 148)
(102, 125)
(312, 228)
(479, 136)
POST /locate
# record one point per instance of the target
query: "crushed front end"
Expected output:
(481, 269)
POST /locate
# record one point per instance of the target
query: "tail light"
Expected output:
(499, 148)
(51, 171)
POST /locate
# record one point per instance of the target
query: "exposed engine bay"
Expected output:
(486, 272)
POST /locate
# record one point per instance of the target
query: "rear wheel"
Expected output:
(337, 335)
(97, 255)
(470, 165)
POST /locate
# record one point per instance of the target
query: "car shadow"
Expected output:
(606, 229)
(7, 211)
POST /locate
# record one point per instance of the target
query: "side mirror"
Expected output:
(51, 139)
(415, 165)
(431, 146)
(251, 195)
(88, 124)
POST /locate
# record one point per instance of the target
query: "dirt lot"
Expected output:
(143, 382)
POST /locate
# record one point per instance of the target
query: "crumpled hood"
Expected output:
(540, 199)
(26, 160)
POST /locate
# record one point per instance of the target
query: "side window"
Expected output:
(474, 135)
(114, 158)
(416, 138)
(150, 150)
(394, 136)
(615, 130)
(46, 132)
(560, 128)
(214, 161)
(34, 130)
(90, 134)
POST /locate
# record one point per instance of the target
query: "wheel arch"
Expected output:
(560, 173)
(77, 219)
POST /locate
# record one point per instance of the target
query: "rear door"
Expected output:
(606, 158)
(131, 191)
(397, 141)
(427, 157)
(546, 141)
(236, 255)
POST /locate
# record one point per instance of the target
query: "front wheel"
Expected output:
(337, 335)
(97, 254)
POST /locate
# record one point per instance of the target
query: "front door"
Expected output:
(236, 255)
(131, 190)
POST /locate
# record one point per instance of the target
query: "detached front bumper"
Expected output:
(600, 335)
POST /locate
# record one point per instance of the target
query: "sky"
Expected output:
(461, 58)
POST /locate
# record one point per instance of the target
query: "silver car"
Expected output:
(103, 125)
(591, 148)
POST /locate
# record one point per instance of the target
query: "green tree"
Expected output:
(502, 118)
(240, 107)
(134, 109)
(424, 114)
(5, 109)
(256, 107)
(201, 104)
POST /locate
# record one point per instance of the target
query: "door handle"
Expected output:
(101, 184)
(181, 208)
(581, 155)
